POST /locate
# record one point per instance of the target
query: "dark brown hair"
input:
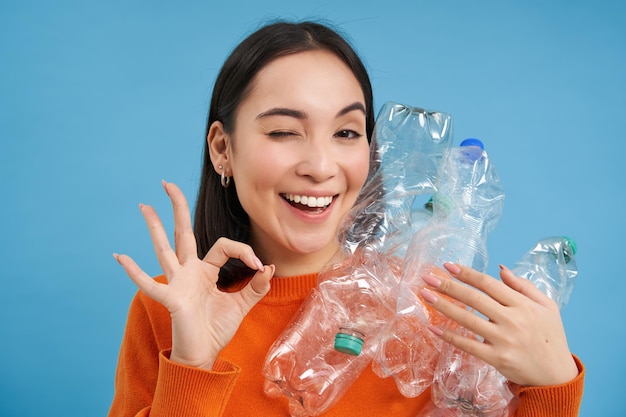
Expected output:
(218, 212)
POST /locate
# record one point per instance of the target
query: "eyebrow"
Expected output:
(352, 107)
(297, 114)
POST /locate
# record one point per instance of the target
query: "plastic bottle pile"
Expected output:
(466, 207)
(366, 309)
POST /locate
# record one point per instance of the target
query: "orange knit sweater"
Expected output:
(148, 383)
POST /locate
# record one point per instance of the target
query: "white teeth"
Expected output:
(309, 200)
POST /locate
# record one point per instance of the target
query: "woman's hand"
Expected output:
(523, 336)
(204, 319)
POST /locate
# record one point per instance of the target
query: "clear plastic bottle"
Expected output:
(474, 388)
(467, 386)
(335, 333)
(420, 216)
(551, 266)
(334, 336)
(466, 207)
(410, 144)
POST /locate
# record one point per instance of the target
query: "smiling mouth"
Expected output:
(308, 203)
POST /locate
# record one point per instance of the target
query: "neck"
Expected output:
(292, 263)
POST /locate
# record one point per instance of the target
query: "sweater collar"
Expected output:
(290, 289)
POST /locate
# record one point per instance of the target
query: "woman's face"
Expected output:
(299, 156)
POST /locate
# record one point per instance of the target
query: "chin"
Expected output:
(309, 248)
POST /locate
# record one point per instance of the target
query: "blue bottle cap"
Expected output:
(472, 150)
(473, 142)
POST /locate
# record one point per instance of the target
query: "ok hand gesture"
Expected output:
(204, 319)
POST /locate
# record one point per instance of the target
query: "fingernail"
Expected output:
(431, 280)
(436, 330)
(452, 268)
(165, 187)
(428, 296)
(116, 256)
(259, 264)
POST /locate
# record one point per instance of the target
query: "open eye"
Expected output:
(348, 134)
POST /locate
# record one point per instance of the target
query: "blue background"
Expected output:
(100, 101)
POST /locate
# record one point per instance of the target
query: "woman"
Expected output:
(287, 152)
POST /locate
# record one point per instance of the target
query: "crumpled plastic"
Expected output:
(467, 386)
(466, 207)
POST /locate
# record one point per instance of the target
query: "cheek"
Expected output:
(249, 183)
(359, 167)
(250, 160)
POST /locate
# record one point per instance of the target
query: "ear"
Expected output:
(219, 147)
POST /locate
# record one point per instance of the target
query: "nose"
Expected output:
(318, 160)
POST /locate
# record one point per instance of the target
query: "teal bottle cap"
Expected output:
(572, 244)
(349, 344)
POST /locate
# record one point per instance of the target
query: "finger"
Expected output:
(184, 239)
(165, 255)
(224, 249)
(146, 284)
(524, 287)
(258, 286)
(467, 344)
(460, 315)
(483, 282)
(466, 294)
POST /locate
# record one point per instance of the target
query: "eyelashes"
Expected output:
(343, 134)
(348, 134)
(281, 134)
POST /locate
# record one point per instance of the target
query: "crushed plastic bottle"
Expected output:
(335, 333)
(551, 267)
(421, 214)
(471, 387)
(468, 386)
(411, 144)
(466, 207)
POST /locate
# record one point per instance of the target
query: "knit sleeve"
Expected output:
(553, 401)
(184, 391)
(147, 383)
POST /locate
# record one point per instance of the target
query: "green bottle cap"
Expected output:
(349, 344)
(571, 244)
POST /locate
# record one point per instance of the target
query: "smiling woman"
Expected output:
(309, 126)
(288, 149)
(219, 212)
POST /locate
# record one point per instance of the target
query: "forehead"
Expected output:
(302, 77)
